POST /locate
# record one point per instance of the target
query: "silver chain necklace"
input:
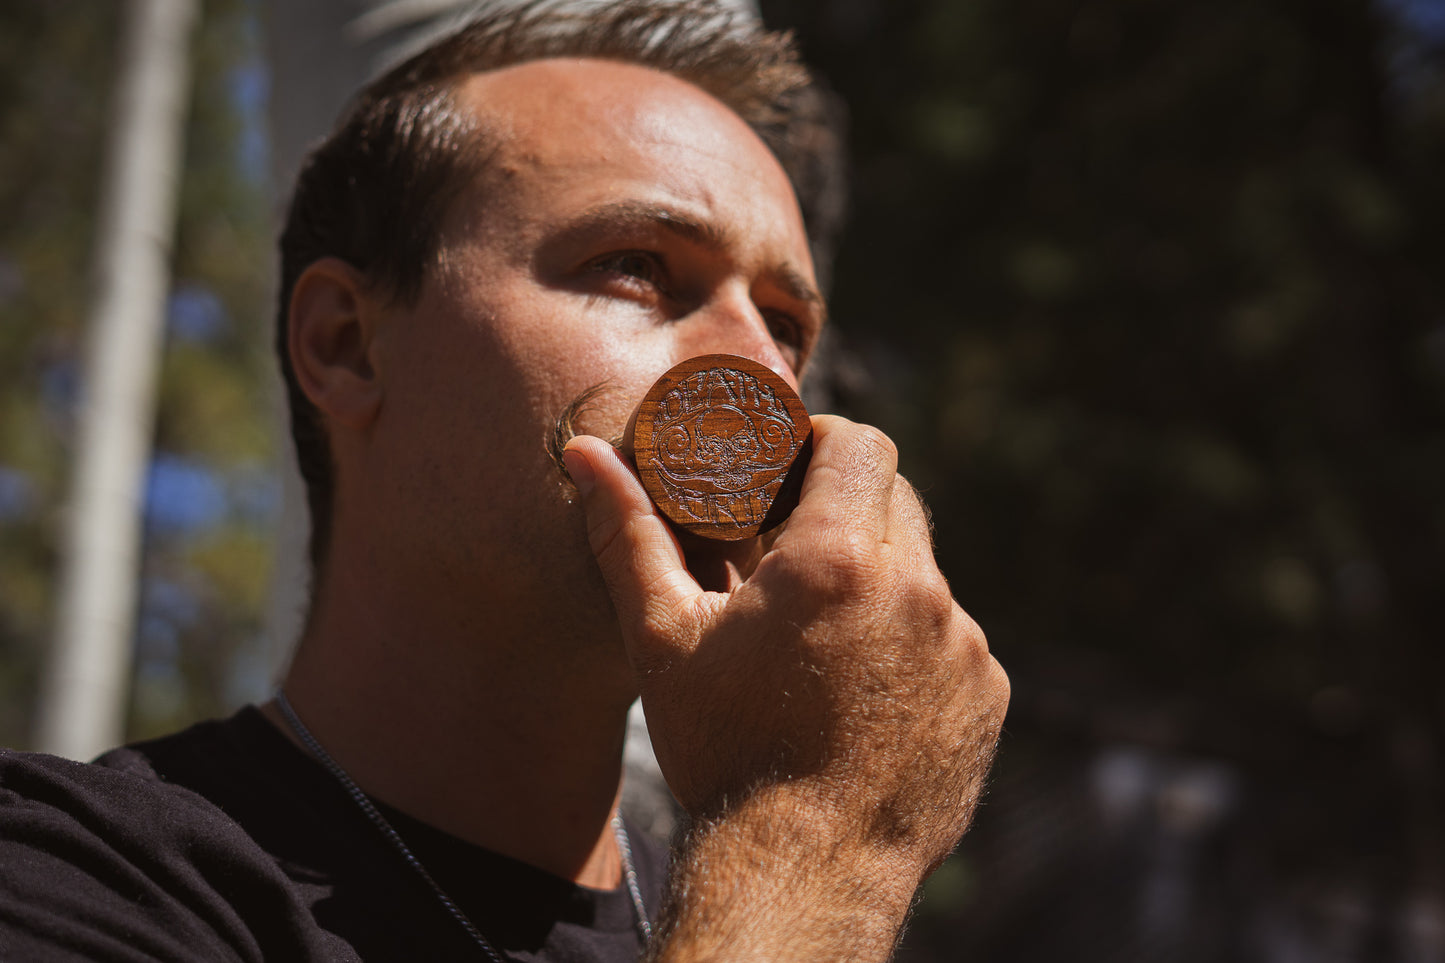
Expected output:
(624, 845)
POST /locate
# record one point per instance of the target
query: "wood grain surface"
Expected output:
(721, 444)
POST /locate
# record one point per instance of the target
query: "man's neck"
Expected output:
(489, 739)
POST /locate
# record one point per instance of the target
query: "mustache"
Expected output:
(564, 427)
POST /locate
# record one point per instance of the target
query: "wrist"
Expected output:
(777, 878)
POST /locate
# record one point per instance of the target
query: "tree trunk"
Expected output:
(83, 698)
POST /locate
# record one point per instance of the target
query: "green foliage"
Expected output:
(56, 60)
(1165, 273)
(58, 68)
(1151, 294)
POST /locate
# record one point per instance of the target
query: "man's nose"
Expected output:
(731, 323)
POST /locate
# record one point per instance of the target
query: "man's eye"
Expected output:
(633, 264)
(788, 335)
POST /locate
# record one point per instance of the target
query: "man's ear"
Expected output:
(332, 325)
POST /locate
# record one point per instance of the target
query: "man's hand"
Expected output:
(828, 722)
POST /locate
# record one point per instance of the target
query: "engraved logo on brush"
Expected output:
(723, 442)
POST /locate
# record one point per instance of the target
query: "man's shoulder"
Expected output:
(98, 857)
(121, 797)
(150, 794)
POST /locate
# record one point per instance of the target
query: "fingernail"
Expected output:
(580, 470)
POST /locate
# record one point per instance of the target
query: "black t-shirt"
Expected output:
(226, 842)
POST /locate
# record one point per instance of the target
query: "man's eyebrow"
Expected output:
(626, 215)
(795, 286)
(635, 214)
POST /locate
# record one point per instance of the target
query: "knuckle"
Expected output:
(832, 578)
(1000, 686)
(915, 502)
(873, 449)
(969, 648)
(971, 633)
(930, 603)
(852, 550)
(860, 454)
(936, 589)
(853, 568)
(840, 573)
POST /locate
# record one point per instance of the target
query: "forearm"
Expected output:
(770, 882)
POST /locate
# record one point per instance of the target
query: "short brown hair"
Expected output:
(373, 192)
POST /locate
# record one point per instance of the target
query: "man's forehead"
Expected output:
(613, 129)
(580, 97)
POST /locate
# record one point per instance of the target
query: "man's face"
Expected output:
(626, 222)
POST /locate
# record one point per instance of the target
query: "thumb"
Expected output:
(639, 556)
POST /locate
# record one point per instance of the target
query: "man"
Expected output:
(541, 205)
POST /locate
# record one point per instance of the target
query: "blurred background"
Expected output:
(1148, 293)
